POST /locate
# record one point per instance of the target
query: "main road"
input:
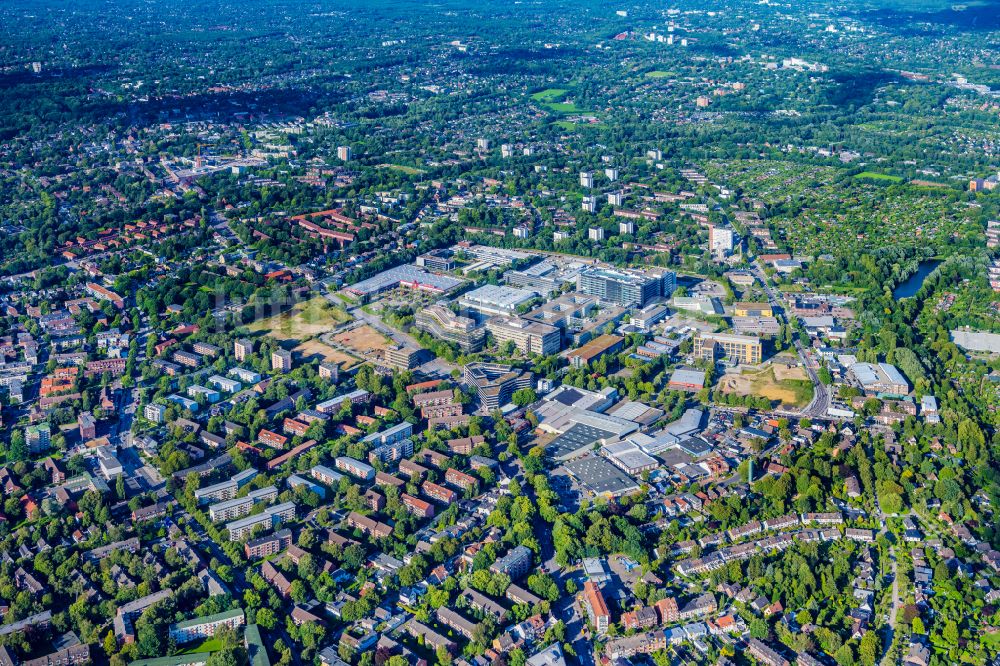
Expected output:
(820, 402)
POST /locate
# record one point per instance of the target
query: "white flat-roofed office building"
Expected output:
(645, 318)
(613, 286)
(492, 299)
(497, 256)
(530, 337)
(741, 348)
(544, 277)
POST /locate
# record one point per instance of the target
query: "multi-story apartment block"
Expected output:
(281, 360)
(187, 359)
(355, 467)
(439, 492)
(205, 627)
(417, 506)
(269, 544)
(460, 479)
(396, 433)
(368, 526)
(224, 490)
(269, 518)
(596, 607)
(154, 412)
(324, 474)
(38, 437)
(515, 564)
(391, 452)
(206, 349)
(242, 348)
(329, 370)
(241, 506)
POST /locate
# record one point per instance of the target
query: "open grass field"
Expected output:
(569, 125)
(789, 385)
(658, 74)
(873, 175)
(304, 320)
(553, 100)
(408, 170)
(549, 95)
(363, 339)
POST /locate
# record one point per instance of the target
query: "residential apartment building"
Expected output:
(438, 492)
(460, 479)
(596, 607)
(241, 506)
(38, 438)
(269, 544)
(391, 452)
(269, 518)
(154, 412)
(515, 564)
(355, 467)
(242, 349)
(205, 627)
(281, 360)
(417, 506)
(368, 526)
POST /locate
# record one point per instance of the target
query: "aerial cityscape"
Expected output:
(532, 333)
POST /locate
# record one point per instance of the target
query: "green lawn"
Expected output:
(565, 107)
(549, 95)
(551, 98)
(872, 175)
(658, 74)
(569, 126)
(209, 645)
(412, 171)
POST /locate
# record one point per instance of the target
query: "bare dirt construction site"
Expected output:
(363, 340)
(790, 385)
